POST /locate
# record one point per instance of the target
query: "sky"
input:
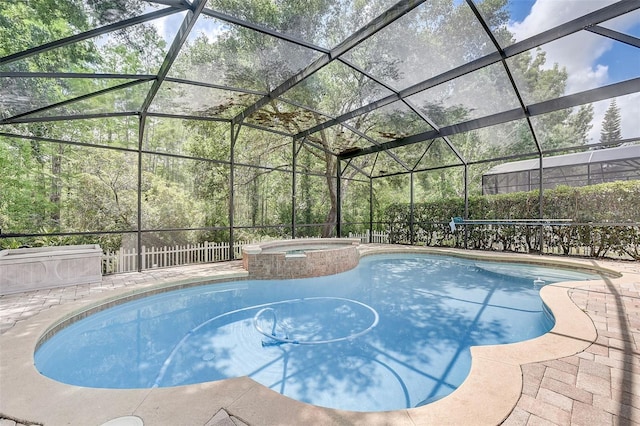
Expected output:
(591, 60)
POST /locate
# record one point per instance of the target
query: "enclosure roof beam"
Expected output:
(266, 129)
(507, 70)
(87, 35)
(352, 129)
(214, 86)
(181, 37)
(74, 100)
(356, 112)
(71, 117)
(429, 169)
(21, 74)
(391, 15)
(278, 91)
(467, 68)
(615, 35)
(584, 22)
(406, 102)
(569, 101)
(298, 105)
(188, 117)
(594, 95)
(376, 143)
(357, 169)
(175, 3)
(262, 29)
(450, 144)
(312, 144)
(487, 121)
(66, 142)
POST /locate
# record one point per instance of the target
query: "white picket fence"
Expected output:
(381, 237)
(126, 260)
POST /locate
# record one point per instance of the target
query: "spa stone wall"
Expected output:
(312, 263)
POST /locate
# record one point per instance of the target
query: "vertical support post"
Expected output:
(411, 212)
(141, 124)
(234, 138)
(370, 210)
(294, 181)
(466, 205)
(339, 199)
(541, 205)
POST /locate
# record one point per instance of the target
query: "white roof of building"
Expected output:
(625, 152)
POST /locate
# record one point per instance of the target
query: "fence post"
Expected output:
(120, 264)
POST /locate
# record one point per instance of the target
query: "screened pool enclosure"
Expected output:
(578, 169)
(140, 124)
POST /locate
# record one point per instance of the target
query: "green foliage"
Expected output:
(25, 204)
(26, 24)
(591, 208)
(168, 205)
(611, 127)
(107, 242)
(538, 82)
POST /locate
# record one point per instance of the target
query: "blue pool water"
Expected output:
(392, 333)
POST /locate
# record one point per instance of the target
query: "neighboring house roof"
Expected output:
(627, 152)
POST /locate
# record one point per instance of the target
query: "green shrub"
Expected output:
(605, 221)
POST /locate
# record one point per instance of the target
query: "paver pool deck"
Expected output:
(594, 381)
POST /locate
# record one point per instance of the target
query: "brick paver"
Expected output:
(18, 307)
(600, 386)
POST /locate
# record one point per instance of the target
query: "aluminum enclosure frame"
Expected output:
(590, 22)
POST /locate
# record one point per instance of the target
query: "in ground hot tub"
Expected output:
(302, 258)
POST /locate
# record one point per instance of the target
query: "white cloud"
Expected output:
(586, 77)
(546, 14)
(580, 54)
(577, 53)
(212, 29)
(168, 26)
(630, 107)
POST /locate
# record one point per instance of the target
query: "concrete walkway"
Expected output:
(17, 307)
(599, 386)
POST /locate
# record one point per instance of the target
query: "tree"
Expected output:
(611, 131)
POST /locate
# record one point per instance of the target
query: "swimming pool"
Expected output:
(430, 308)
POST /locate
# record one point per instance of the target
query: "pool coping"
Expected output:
(487, 396)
